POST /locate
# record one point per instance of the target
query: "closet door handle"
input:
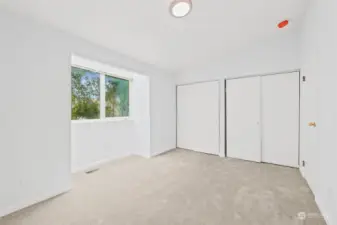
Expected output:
(312, 124)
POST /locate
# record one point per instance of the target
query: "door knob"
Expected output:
(312, 124)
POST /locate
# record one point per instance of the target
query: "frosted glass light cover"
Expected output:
(181, 8)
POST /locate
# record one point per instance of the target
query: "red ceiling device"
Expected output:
(283, 24)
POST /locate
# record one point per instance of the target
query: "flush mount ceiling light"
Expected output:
(180, 8)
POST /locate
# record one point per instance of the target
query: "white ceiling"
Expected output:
(144, 29)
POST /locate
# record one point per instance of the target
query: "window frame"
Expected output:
(104, 70)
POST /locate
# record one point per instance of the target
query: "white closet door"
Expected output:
(198, 117)
(280, 113)
(243, 119)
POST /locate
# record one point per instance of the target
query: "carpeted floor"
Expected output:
(179, 187)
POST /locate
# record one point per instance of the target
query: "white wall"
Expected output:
(272, 55)
(163, 114)
(35, 115)
(35, 110)
(94, 143)
(319, 65)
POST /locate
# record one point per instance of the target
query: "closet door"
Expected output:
(280, 113)
(198, 117)
(243, 119)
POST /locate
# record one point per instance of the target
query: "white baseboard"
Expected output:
(320, 204)
(96, 164)
(24, 205)
(153, 154)
(328, 218)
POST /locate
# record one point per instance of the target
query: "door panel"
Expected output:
(198, 117)
(243, 119)
(280, 123)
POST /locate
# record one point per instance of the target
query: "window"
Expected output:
(116, 97)
(88, 91)
(85, 98)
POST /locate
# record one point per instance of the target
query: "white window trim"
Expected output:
(102, 96)
(100, 68)
(112, 119)
(104, 70)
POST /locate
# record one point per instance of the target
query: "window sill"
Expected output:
(116, 119)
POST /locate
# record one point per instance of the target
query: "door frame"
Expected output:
(299, 115)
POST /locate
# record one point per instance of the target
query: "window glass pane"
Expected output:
(116, 97)
(85, 94)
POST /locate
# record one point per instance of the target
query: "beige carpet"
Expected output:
(180, 187)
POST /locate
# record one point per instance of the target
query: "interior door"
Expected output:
(198, 117)
(280, 119)
(243, 119)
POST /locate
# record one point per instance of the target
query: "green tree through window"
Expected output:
(85, 96)
(116, 97)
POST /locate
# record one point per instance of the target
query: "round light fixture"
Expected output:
(180, 8)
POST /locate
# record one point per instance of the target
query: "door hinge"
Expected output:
(303, 163)
(304, 79)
